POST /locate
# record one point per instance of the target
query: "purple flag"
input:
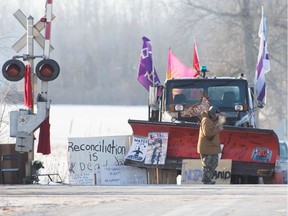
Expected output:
(263, 64)
(146, 75)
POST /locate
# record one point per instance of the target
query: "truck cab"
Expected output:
(231, 95)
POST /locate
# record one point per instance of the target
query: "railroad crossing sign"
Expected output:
(37, 28)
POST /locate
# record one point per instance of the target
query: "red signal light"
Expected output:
(47, 70)
(13, 70)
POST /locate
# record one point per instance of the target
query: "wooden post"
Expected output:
(157, 175)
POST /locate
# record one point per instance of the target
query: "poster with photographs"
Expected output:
(138, 148)
(157, 148)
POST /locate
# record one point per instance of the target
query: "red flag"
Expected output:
(196, 64)
(177, 69)
(28, 99)
(44, 138)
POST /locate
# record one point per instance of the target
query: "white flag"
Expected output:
(263, 64)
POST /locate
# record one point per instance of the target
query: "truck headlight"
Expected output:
(239, 107)
(179, 107)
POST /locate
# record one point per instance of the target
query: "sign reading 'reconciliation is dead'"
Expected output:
(87, 154)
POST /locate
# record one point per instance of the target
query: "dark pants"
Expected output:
(209, 164)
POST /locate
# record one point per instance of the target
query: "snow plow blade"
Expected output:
(252, 151)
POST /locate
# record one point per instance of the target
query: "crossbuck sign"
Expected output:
(37, 28)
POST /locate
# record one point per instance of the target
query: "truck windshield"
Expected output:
(224, 93)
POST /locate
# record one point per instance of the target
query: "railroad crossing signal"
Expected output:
(13, 70)
(37, 28)
(23, 123)
(47, 70)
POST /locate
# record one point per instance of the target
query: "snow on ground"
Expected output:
(83, 121)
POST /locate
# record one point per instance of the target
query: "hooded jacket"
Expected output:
(208, 141)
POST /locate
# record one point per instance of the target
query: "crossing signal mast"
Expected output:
(23, 123)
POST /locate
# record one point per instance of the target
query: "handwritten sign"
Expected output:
(83, 178)
(88, 154)
(122, 175)
(192, 172)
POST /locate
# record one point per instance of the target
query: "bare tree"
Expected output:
(97, 44)
(228, 43)
(9, 100)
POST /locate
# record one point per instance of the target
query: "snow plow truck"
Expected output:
(253, 151)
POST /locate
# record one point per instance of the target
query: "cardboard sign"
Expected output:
(192, 172)
(82, 178)
(87, 154)
(122, 175)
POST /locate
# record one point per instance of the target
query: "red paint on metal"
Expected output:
(238, 144)
(47, 30)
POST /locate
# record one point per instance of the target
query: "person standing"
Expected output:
(208, 145)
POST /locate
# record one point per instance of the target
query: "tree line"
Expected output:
(97, 44)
